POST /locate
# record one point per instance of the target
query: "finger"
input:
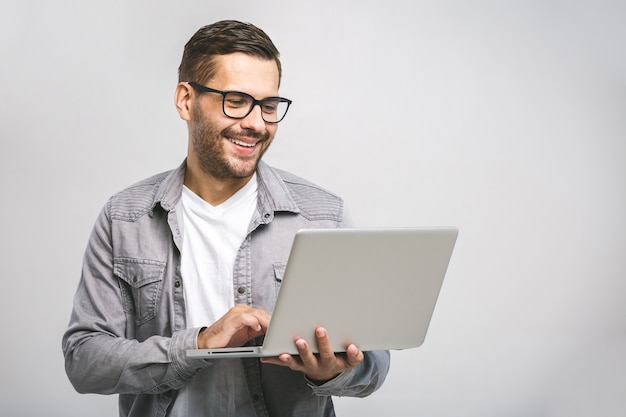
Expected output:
(292, 362)
(263, 317)
(245, 316)
(307, 358)
(251, 321)
(324, 347)
(238, 325)
(354, 356)
(284, 359)
(289, 360)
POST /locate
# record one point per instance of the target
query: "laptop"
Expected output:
(374, 287)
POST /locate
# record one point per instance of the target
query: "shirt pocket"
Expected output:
(279, 272)
(141, 285)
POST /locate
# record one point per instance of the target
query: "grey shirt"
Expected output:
(127, 332)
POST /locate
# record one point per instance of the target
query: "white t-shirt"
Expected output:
(212, 236)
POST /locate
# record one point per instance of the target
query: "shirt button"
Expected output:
(241, 290)
(177, 284)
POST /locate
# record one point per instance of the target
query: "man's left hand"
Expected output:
(320, 367)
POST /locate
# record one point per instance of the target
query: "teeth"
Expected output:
(240, 143)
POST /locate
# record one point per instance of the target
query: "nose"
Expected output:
(254, 120)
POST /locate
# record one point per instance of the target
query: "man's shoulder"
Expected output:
(136, 200)
(309, 196)
(297, 182)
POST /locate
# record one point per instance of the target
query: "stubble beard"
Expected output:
(209, 147)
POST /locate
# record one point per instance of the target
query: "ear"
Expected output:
(182, 100)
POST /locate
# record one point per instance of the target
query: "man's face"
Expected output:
(231, 148)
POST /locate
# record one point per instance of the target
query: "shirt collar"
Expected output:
(273, 194)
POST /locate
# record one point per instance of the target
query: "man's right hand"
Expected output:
(240, 324)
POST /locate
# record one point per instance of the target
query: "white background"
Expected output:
(504, 118)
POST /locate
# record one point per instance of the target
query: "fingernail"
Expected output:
(320, 332)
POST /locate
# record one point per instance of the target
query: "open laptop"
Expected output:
(374, 287)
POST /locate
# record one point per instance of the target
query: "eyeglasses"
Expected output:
(238, 105)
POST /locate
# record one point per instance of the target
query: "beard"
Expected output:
(208, 143)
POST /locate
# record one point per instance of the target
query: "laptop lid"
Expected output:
(374, 287)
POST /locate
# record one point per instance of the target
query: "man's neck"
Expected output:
(213, 190)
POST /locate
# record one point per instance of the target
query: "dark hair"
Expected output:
(222, 38)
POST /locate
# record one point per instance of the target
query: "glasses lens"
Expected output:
(239, 105)
(274, 109)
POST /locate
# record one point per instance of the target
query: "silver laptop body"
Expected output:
(374, 287)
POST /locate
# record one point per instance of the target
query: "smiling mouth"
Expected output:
(242, 143)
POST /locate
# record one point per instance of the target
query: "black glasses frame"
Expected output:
(202, 89)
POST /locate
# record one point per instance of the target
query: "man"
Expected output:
(193, 258)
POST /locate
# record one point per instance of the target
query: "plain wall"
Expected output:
(504, 118)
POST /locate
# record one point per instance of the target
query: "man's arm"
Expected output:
(98, 356)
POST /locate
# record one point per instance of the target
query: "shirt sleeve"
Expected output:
(360, 381)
